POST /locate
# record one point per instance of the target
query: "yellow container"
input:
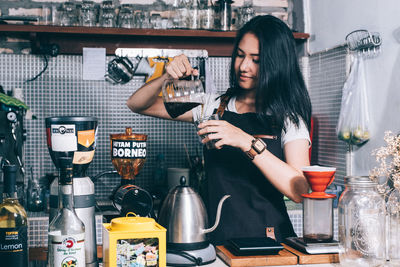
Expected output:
(134, 242)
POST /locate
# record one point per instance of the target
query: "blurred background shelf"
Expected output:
(71, 40)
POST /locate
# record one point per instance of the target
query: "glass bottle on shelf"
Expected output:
(13, 223)
(361, 224)
(66, 234)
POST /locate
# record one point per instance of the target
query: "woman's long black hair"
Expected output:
(281, 91)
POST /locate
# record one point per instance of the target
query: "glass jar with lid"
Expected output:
(107, 14)
(87, 14)
(68, 15)
(361, 224)
(126, 16)
(393, 210)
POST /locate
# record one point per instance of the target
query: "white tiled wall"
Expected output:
(60, 90)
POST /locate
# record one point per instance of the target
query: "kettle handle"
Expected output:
(209, 230)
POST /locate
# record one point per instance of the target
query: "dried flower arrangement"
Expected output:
(389, 163)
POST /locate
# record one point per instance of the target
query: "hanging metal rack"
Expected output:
(364, 43)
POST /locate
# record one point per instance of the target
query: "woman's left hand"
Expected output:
(225, 133)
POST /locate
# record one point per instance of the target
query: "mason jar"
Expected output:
(87, 14)
(361, 224)
(393, 242)
(126, 16)
(107, 14)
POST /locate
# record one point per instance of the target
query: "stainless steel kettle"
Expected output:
(184, 215)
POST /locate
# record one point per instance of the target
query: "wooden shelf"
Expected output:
(71, 40)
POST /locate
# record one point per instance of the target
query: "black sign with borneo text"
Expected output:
(128, 149)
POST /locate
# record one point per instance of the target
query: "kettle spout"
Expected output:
(209, 230)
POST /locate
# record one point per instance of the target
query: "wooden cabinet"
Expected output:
(72, 39)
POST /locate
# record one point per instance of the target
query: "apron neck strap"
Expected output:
(223, 104)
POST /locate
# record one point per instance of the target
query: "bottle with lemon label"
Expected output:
(13, 224)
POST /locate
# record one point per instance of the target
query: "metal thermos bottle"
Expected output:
(84, 202)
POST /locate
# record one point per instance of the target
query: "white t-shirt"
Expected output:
(292, 131)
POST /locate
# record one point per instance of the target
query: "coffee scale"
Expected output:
(317, 214)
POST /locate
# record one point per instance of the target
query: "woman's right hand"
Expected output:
(180, 67)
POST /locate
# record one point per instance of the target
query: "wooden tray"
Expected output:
(283, 258)
(305, 258)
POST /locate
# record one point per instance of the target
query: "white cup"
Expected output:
(174, 176)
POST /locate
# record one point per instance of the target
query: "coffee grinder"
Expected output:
(128, 155)
(75, 137)
(317, 213)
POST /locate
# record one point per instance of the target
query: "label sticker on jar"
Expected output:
(63, 137)
(128, 149)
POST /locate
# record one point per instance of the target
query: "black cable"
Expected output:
(46, 64)
(197, 261)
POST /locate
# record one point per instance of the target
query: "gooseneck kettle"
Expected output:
(184, 215)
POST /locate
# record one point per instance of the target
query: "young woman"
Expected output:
(263, 137)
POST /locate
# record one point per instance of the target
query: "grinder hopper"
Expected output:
(73, 137)
(128, 154)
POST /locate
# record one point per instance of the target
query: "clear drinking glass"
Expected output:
(142, 19)
(361, 224)
(207, 18)
(68, 14)
(126, 17)
(156, 21)
(193, 16)
(45, 15)
(246, 14)
(210, 144)
(87, 14)
(107, 14)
